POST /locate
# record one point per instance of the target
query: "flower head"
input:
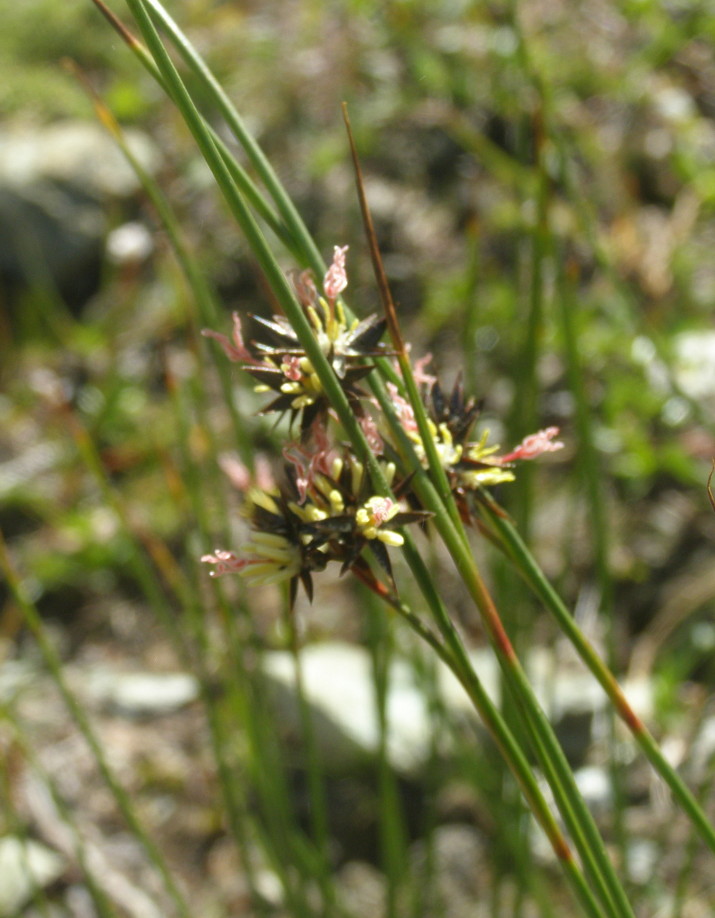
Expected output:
(323, 512)
(279, 363)
(469, 463)
(325, 508)
(277, 549)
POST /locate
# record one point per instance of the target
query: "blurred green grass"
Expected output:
(464, 114)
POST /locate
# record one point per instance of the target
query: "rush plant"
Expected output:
(359, 469)
(378, 459)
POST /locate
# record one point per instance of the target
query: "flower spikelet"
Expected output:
(469, 464)
(323, 512)
(371, 516)
(279, 363)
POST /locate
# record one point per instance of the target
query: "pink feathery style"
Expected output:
(535, 445)
(310, 461)
(235, 350)
(225, 562)
(336, 278)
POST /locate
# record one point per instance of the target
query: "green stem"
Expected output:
(80, 718)
(555, 766)
(592, 474)
(393, 831)
(245, 185)
(297, 230)
(556, 769)
(526, 564)
(453, 655)
(313, 767)
(571, 804)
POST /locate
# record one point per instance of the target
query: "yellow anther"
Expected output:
(336, 501)
(357, 470)
(303, 401)
(390, 538)
(315, 319)
(336, 467)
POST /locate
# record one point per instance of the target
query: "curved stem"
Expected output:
(296, 229)
(454, 657)
(526, 564)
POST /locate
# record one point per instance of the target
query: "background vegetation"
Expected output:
(542, 178)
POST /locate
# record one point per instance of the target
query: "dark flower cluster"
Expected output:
(281, 366)
(324, 509)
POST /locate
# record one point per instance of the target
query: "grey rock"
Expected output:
(54, 184)
(643, 855)
(700, 757)
(73, 153)
(51, 239)
(338, 685)
(459, 871)
(594, 784)
(142, 694)
(362, 889)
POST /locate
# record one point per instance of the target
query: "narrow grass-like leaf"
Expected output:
(243, 182)
(100, 898)
(300, 238)
(527, 566)
(81, 720)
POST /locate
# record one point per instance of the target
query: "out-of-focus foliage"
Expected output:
(518, 157)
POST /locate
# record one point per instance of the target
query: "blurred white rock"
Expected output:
(142, 694)
(338, 685)
(26, 866)
(129, 244)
